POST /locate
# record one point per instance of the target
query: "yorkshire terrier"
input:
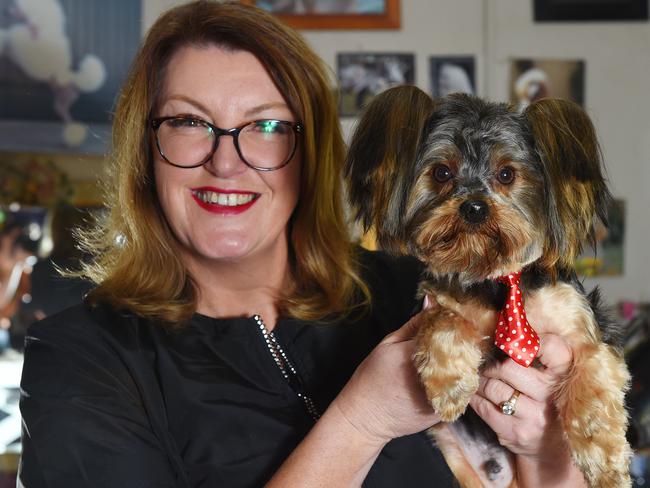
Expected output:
(481, 192)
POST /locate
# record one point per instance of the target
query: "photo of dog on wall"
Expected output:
(452, 74)
(535, 79)
(364, 75)
(496, 202)
(61, 66)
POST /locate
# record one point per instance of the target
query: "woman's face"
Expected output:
(227, 89)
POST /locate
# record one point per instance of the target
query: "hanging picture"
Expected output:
(590, 10)
(533, 79)
(334, 14)
(452, 74)
(606, 258)
(364, 75)
(61, 65)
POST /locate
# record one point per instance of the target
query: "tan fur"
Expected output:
(590, 399)
(449, 379)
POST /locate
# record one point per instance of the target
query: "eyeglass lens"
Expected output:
(264, 143)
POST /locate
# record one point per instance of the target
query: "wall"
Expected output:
(617, 59)
(617, 81)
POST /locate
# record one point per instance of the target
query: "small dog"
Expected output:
(478, 192)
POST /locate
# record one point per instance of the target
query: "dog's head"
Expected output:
(476, 189)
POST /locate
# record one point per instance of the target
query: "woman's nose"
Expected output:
(225, 161)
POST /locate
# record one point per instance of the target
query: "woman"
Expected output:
(231, 309)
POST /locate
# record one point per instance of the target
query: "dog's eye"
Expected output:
(506, 175)
(442, 173)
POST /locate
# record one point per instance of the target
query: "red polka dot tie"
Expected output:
(514, 335)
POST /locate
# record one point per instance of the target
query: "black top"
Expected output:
(111, 400)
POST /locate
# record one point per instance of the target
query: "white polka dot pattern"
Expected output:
(519, 341)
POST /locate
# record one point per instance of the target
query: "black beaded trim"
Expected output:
(286, 368)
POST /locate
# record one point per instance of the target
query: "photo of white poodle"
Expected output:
(36, 42)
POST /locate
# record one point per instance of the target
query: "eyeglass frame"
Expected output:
(297, 128)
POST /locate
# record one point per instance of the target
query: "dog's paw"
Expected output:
(447, 356)
(449, 408)
(447, 389)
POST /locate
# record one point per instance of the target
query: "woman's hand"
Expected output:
(534, 429)
(534, 432)
(384, 398)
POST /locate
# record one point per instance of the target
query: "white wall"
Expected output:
(617, 57)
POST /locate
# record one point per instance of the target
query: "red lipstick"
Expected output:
(223, 209)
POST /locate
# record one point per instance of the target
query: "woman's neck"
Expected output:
(241, 288)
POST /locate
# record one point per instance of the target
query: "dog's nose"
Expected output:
(474, 211)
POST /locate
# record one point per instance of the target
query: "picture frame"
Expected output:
(452, 74)
(604, 255)
(334, 14)
(533, 79)
(363, 75)
(58, 90)
(590, 10)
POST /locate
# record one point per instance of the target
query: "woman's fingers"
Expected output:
(496, 392)
(530, 381)
(525, 429)
(491, 413)
(525, 424)
(555, 354)
(555, 357)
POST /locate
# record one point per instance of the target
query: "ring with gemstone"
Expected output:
(508, 407)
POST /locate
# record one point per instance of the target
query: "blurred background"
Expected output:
(62, 62)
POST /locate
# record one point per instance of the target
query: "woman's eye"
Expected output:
(506, 175)
(271, 127)
(181, 123)
(442, 173)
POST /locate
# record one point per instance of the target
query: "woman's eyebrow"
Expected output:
(265, 106)
(249, 113)
(190, 101)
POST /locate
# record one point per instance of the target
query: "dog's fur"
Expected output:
(537, 182)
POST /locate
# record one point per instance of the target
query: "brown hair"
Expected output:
(136, 260)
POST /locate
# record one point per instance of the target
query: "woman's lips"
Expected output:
(225, 202)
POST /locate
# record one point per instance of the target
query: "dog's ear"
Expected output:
(566, 142)
(380, 158)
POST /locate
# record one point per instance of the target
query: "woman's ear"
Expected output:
(381, 154)
(566, 143)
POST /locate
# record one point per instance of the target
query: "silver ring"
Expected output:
(508, 407)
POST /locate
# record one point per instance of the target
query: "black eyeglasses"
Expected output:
(264, 145)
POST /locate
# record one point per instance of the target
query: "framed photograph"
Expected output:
(590, 10)
(334, 14)
(606, 258)
(62, 63)
(452, 74)
(533, 79)
(364, 75)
